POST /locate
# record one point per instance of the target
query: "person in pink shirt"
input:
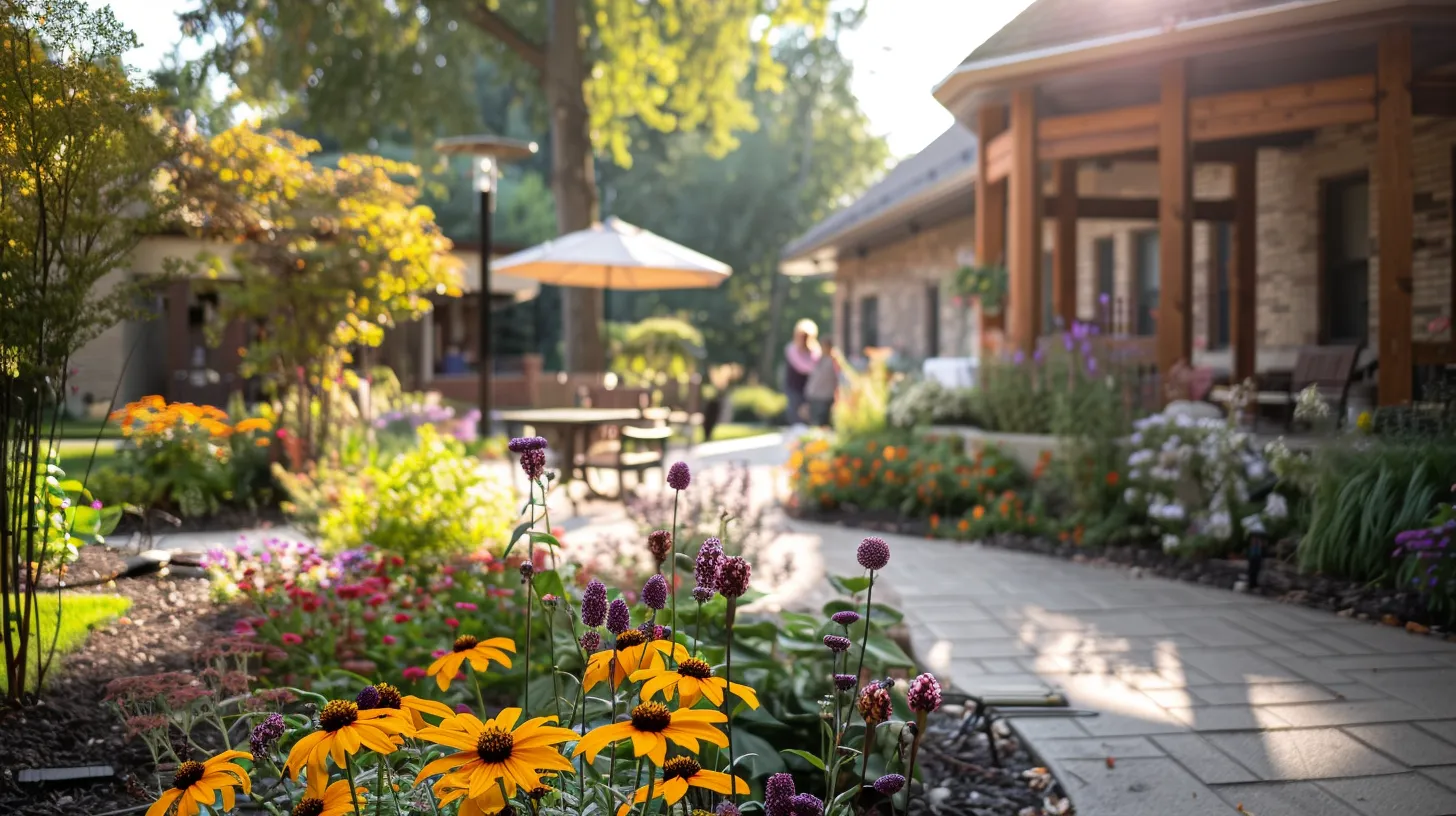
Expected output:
(800, 357)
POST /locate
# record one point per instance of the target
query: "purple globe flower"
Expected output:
(844, 682)
(594, 604)
(266, 733)
(654, 592)
(702, 594)
(778, 791)
(678, 476)
(659, 543)
(836, 643)
(727, 808)
(806, 804)
(924, 694)
(533, 462)
(590, 641)
(619, 617)
(846, 618)
(733, 577)
(710, 559)
(890, 784)
(368, 698)
(873, 553)
(521, 444)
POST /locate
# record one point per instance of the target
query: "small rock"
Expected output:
(1390, 620)
(937, 796)
(1346, 613)
(1241, 585)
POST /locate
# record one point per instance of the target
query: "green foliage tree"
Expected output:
(78, 156)
(326, 257)
(654, 350)
(605, 69)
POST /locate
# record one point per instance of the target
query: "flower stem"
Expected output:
(672, 555)
(869, 598)
(864, 768)
(349, 774)
(379, 787)
(651, 787)
(530, 585)
(910, 770)
(728, 700)
(612, 682)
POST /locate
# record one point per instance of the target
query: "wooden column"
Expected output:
(1064, 259)
(1244, 276)
(1023, 251)
(990, 221)
(1396, 236)
(1175, 221)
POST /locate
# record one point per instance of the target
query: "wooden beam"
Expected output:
(1394, 179)
(1023, 251)
(1142, 209)
(998, 154)
(1237, 125)
(1064, 261)
(1175, 222)
(990, 196)
(1243, 274)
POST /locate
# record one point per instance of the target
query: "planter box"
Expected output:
(1026, 449)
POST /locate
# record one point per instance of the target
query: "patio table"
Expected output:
(570, 426)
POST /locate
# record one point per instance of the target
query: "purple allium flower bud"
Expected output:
(844, 682)
(710, 559)
(873, 553)
(924, 694)
(367, 698)
(806, 804)
(890, 784)
(702, 594)
(266, 733)
(522, 444)
(727, 808)
(678, 476)
(874, 704)
(847, 618)
(733, 577)
(777, 793)
(662, 632)
(619, 617)
(533, 462)
(527, 570)
(836, 643)
(594, 604)
(654, 592)
(590, 641)
(659, 543)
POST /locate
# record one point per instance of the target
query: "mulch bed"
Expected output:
(225, 519)
(1279, 579)
(170, 619)
(959, 777)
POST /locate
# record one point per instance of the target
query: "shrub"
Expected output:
(861, 408)
(757, 403)
(430, 500)
(928, 402)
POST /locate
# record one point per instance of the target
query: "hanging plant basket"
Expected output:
(986, 284)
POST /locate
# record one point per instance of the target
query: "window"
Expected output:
(1048, 302)
(1218, 290)
(1147, 268)
(846, 323)
(932, 320)
(869, 322)
(1345, 279)
(1106, 254)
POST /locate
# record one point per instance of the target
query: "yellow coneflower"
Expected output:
(411, 706)
(343, 730)
(692, 680)
(632, 652)
(336, 801)
(478, 652)
(681, 773)
(200, 783)
(451, 789)
(497, 751)
(650, 728)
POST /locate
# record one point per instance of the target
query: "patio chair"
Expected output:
(1330, 369)
(635, 450)
(686, 415)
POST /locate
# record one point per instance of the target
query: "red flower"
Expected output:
(292, 639)
(413, 673)
(389, 640)
(400, 617)
(377, 599)
(452, 622)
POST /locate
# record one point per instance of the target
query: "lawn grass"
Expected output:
(78, 614)
(735, 430)
(76, 454)
(88, 428)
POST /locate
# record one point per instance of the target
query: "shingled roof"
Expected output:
(1052, 23)
(950, 159)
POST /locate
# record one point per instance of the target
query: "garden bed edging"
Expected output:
(1026, 449)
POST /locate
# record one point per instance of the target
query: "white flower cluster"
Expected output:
(928, 402)
(1310, 406)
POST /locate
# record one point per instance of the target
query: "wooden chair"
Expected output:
(635, 450)
(1330, 369)
(686, 414)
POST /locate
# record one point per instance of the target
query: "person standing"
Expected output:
(800, 357)
(822, 384)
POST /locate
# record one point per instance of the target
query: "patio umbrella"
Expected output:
(613, 254)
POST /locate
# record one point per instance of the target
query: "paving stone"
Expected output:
(1428, 689)
(1227, 718)
(1201, 758)
(1136, 787)
(1319, 753)
(1444, 774)
(1116, 724)
(1174, 698)
(1217, 632)
(1356, 691)
(1285, 799)
(1311, 669)
(1410, 660)
(1002, 666)
(961, 630)
(1049, 728)
(1262, 693)
(1235, 666)
(1145, 678)
(1350, 712)
(998, 647)
(1388, 639)
(1118, 748)
(1407, 794)
(1339, 644)
(1406, 743)
(1445, 729)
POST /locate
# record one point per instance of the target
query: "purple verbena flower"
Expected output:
(654, 592)
(594, 604)
(889, 784)
(702, 594)
(836, 643)
(924, 694)
(619, 617)
(710, 559)
(777, 793)
(873, 553)
(678, 476)
(590, 641)
(733, 577)
(265, 734)
(533, 462)
(846, 618)
(521, 444)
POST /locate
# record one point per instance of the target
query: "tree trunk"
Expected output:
(573, 182)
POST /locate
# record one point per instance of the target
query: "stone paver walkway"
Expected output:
(1206, 699)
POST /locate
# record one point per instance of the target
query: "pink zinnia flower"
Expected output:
(292, 639)
(413, 673)
(465, 606)
(389, 640)
(400, 617)
(452, 622)
(439, 653)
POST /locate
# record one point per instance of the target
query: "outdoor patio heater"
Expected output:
(488, 154)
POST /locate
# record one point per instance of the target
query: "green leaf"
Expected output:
(515, 536)
(538, 537)
(806, 756)
(548, 582)
(850, 586)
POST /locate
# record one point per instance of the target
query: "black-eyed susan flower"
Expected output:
(202, 783)
(386, 696)
(478, 652)
(632, 653)
(681, 773)
(692, 680)
(343, 730)
(335, 801)
(497, 751)
(453, 788)
(650, 728)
